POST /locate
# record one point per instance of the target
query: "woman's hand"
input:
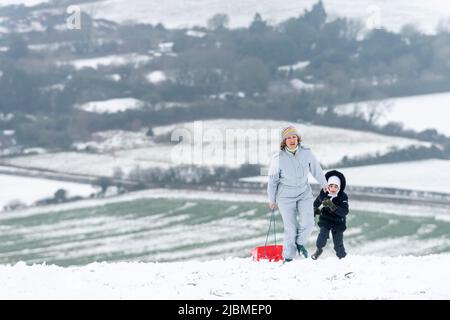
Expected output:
(272, 205)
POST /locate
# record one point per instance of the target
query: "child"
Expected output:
(332, 215)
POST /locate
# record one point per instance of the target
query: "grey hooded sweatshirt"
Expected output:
(288, 174)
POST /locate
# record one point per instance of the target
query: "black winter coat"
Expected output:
(337, 219)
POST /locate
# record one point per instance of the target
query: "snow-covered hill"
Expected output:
(429, 111)
(265, 133)
(262, 134)
(424, 15)
(27, 190)
(425, 175)
(175, 13)
(163, 225)
(355, 277)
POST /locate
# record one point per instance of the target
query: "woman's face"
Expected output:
(292, 141)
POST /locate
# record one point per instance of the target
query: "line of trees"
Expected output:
(191, 175)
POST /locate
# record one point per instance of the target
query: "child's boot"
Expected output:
(316, 254)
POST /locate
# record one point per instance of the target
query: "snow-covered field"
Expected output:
(113, 60)
(27, 3)
(90, 164)
(426, 175)
(422, 112)
(175, 13)
(112, 105)
(205, 239)
(355, 277)
(438, 212)
(156, 76)
(113, 140)
(214, 142)
(329, 144)
(28, 190)
(176, 225)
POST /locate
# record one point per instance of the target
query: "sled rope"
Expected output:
(272, 217)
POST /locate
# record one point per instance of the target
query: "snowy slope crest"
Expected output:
(355, 277)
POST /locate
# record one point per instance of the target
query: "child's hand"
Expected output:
(328, 203)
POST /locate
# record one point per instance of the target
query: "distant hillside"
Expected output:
(118, 149)
(196, 12)
(61, 85)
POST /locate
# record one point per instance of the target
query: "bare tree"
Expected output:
(218, 21)
(374, 110)
(443, 26)
(118, 173)
(371, 111)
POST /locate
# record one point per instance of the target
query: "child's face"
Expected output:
(333, 188)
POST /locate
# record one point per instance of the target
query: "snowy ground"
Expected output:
(416, 112)
(175, 13)
(355, 277)
(28, 190)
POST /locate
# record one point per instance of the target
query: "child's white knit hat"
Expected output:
(334, 180)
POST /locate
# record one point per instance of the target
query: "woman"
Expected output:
(288, 188)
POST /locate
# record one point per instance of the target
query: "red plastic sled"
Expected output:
(273, 253)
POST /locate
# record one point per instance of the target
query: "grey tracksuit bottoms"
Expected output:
(298, 221)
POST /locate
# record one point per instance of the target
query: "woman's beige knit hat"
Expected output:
(288, 131)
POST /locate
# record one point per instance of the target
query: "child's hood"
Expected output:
(340, 176)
